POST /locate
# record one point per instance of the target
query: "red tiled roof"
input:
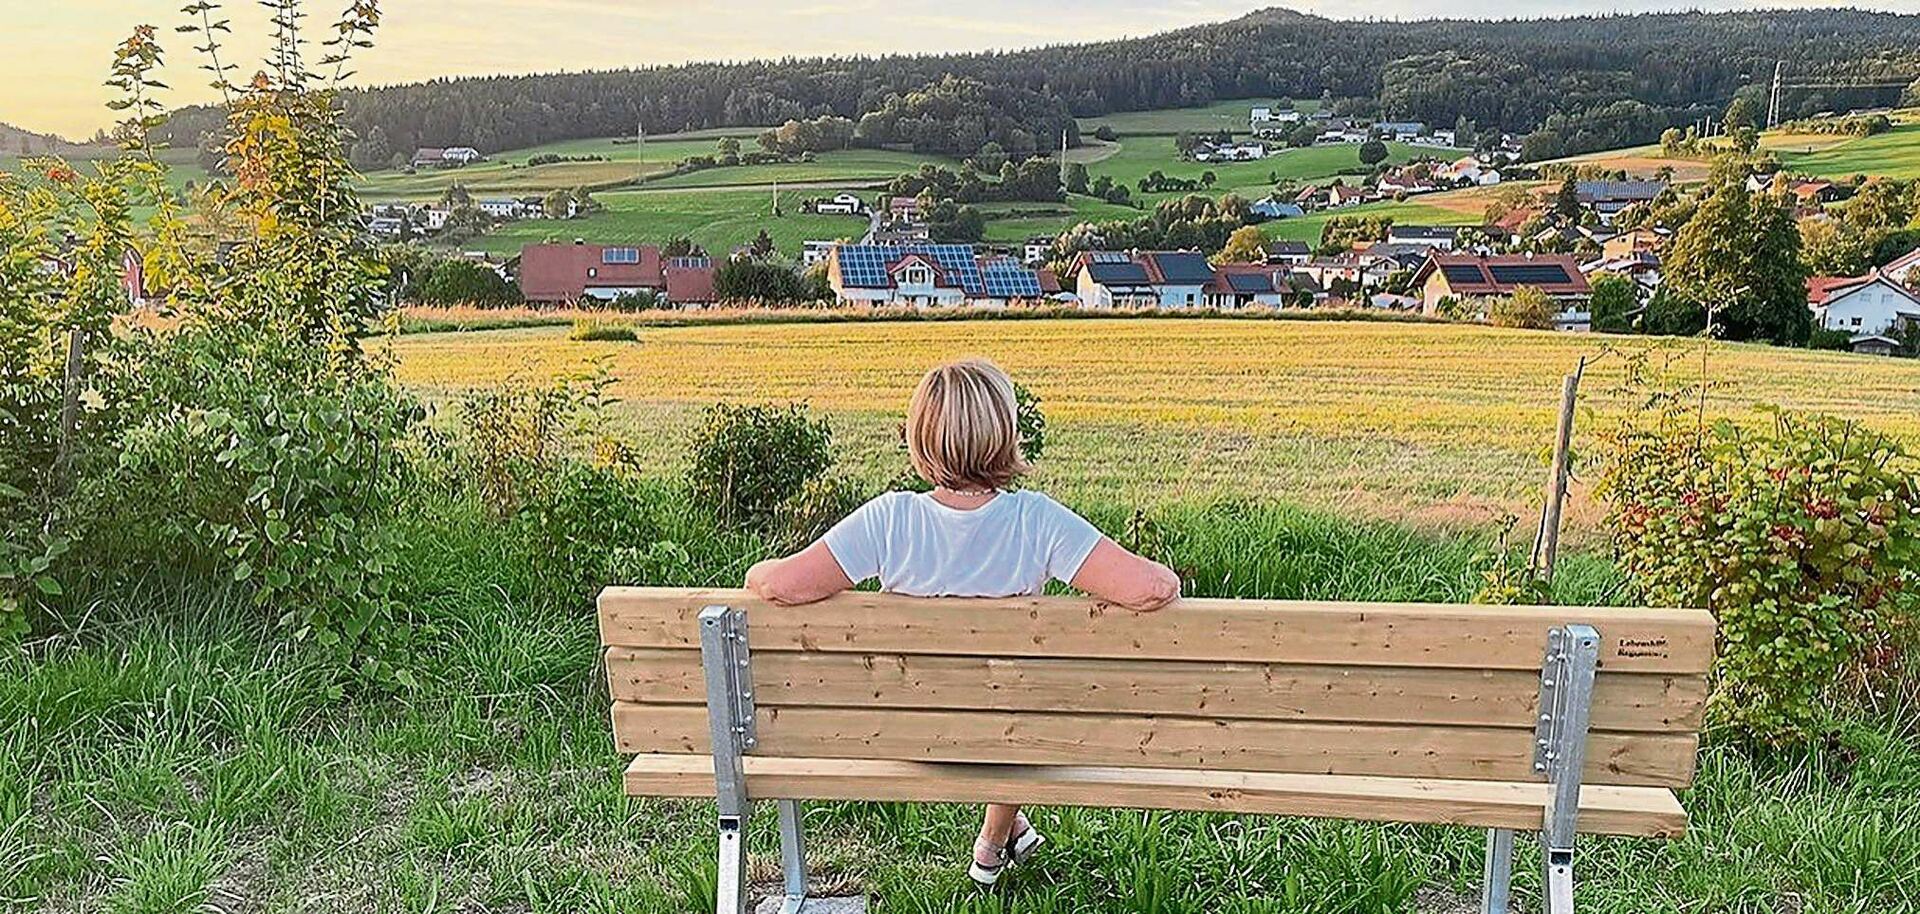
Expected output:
(564, 272)
(1049, 282)
(1820, 289)
(691, 285)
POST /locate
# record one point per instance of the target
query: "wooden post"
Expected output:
(1546, 543)
(70, 402)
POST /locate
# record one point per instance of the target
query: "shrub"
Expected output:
(463, 282)
(1800, 536)
(1527, 308)
(1830, 339)
(595, 331)
(747, 460)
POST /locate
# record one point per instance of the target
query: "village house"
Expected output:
(1608, 198)
(503, 208)
(813, 253)
(1468, 171)
(1640, 265)
(1291, 253)
(1145, 279)
(578, 272)
(1464, 276)
(450, 157)
(1903, 268)
(903, 209)
(927, 276)
(1037, 249)
(1400, 130)
(1432, 236)
(1246, 285)
(842, 204)
(1870, 305)
(1232, 152)
(1270, 208)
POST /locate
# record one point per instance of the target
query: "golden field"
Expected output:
(1421, 421)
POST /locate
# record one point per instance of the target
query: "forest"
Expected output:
(1604, 79)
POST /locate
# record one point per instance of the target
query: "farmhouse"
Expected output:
(1460, 276)
(689, 282)
(1292, 253)
(1241, 285)
(1608, 198)
(1144, 279)
(1431, 236)
(1269, 208)
(1870, 304)
(563, 273)
(504, 208)
(842, 204)
(926, 276)
(450, 157)
(815, 252)
(1357, 271)
(1400, 130)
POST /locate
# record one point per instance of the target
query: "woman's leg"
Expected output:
(995, 830)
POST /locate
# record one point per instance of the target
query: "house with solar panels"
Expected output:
(1142, 279)
(1447, 276)
(927, 276)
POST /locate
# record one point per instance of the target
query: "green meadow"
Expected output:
(717, 219)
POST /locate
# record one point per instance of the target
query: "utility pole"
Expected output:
(640, 146)
(1773, 98)
(1063, 163)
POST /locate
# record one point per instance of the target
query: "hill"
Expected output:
(15, 141)
(1580, 83)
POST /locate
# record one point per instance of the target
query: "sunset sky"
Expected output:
(56, 51)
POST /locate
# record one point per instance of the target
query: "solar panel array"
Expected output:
(1109, 257)
(1118, 273)
(1007, 279)
(1463, 274)
(620, 255)
(1529, 274)
(690, 263)
(865, 265)
(1184, 268)
(1250, 282)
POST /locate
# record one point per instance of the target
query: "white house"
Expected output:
(812, 253)
(842, 204)
(462, 155)
(1036, 250)
(1144, 279)
(503, 208)
(1903, 268)
(1432, 236)
(1862, 305)
(927, 276)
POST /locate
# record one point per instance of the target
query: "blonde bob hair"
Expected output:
(963, 429)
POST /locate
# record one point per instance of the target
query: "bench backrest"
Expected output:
(1402, 690)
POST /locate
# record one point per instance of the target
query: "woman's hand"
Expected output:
(808, 576)
(1117, 576)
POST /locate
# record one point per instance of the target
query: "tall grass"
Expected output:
(169, 752)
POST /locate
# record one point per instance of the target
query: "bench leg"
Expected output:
(732, 895)
(1559, 885)
(1496, 888)
(793, 856)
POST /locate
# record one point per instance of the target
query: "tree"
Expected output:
(463, 282)
(1076, 176)
(1746, 140)
(1743, 111)
(1738, 259)
(1671, 140)
(990, 157)
(1303, 135)
(1566, 201)
(1247, 244)
(1207, 179)
(763, 245)
(556, 203)
(1528, 308)
(729, 150)
(747, 280)
(1373, 152)
(1614, 298)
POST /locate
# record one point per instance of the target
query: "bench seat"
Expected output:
(1652, 812)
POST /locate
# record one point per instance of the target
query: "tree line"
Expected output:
(1586, 81)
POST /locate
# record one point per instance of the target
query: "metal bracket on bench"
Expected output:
(725, 659)
(1560, 752)
(1559, 756)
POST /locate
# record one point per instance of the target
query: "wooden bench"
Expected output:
(1557, 719)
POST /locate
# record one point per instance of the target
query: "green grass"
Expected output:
(852, 165)
(1009, 223)
(171, 753)
(1308, 228)
(1894, 154)
(1140, 156)
(183, 165)
(1225, 115)
(719, 220)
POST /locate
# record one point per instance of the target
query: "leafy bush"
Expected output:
(463, 282)
(747, 460)
(594, 331)
(514, 437)
(1527, 308)
(1801, 537)
(1830, 339)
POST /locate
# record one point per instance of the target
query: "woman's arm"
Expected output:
(1118, 576)
(807, 576)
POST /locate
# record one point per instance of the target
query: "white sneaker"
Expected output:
(1025, 844)
(985, 875)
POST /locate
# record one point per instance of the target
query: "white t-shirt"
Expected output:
(919, 547)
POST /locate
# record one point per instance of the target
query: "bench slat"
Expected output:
(1640, 811)
(1261, 631)
(1473, 753)
(1623, 702)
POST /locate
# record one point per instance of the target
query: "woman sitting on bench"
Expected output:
(971, 536)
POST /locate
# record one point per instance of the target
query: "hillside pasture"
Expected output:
(717, 219)
(1430, 422)
(1232, 115)
(1894, 154)
(1140, 156)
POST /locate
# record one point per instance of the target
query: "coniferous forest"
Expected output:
(1572, 85)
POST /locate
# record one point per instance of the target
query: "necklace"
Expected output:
(973, 493)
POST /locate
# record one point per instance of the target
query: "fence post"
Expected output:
(1546, 543)
(69, 404)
